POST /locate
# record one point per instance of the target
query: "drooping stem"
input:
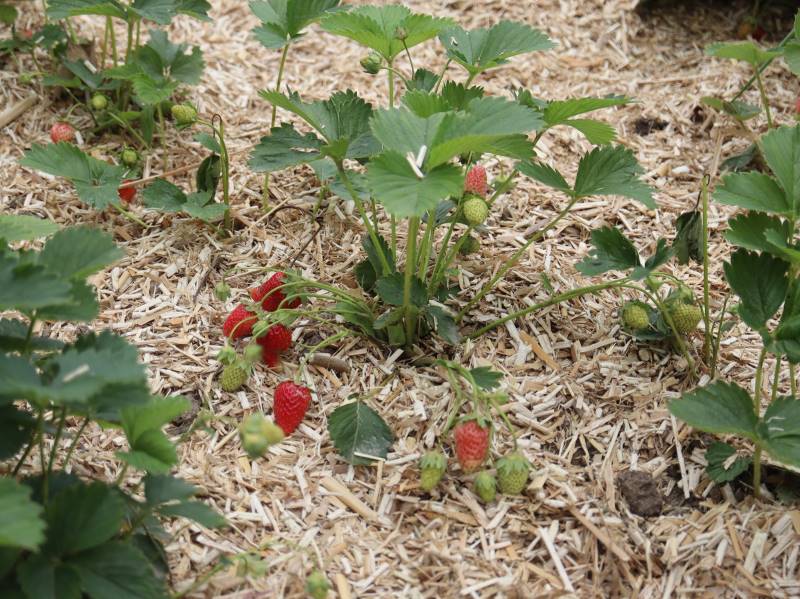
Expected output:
(764, 99)
(759, 377)
(409, 310)
(56, 440)
(364, 216)
(390, 75)
(427, 246)
(441, 76)
(441, 258)
(511, 262)
(74, 443)
(556, 299)
(775, 376)
(707, 338)
(278, 81)
(219, 130)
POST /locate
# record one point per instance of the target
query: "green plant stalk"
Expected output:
(74, 443)
(104, 51)
(718, 337)
(427, 246)
(757, 410)
(31, 443)
(511, 262)
(364, 216)
(441, 257)
(763, 66)
(393, 225)
(410, 60)
(456, 387)
(450, 256)
(224, 156)
(409, 310)
(441, 75)
(113, 36)
(56, 440)
(128, 128)
(129, 47)
(278, 81)
(556, 299)
(707, 340)
(775, 377)
(162, 138)
(390, 76)
(764, 99)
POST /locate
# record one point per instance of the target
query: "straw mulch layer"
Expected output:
(588, 402)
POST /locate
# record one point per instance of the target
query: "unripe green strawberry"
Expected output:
(184, 114)
(485, 486)
(129, 157)
(257, 434)
(317, 586)
(475, 211)
(512, 474)
(99, 102)
(233, 377)
(222, 291)
(470, 245)
(635, 317)
(685, 317)
(431, 469)
(372, 63)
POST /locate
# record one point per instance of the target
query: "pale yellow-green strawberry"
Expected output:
(475, 211)
(685, 317)
(512, 473)
(431, 469)
(635, 317)
(485, 486)
(233, 377)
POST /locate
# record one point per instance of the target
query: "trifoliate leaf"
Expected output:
(95, 181)
(483, 49)
(359, 433)
(752, 191)
(718, 408)
(761, 283)
(390, 289)
(375, 27)
(749, 231)
(744, 51)
(560, 112)
(21, 523)
(284, 147)
(608, 170)
(159, 11)
(77, 252)
(781, 149)
(283, 21)
(611, 250)
(397, 186)
(780, 430)
(486, 378)
(99, 571)
(724, 463)
(21, 227)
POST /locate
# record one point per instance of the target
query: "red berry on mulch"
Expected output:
(472, 445)
(127, 192)
(290, 405)
(270, 296)
(239, 323)
(62, 132)
(276, 340)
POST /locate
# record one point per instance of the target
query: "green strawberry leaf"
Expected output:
(359, 433)
(760, 281)
(21, 523)
(486, 378)
(609, 170)
(390, 290)
(747, 52)
(545, 174)
(722, 408)
(342, 121)
(611, 250)
(786, 337)
(375, 27)
(26, 286)
(283, 21)
(444, 323)
(95, 181)
(165, 196)
(423, 80)
(159, 11)
(21, 227)
(779, 430)
(170, 497)
(77, 252)
(749, 231)
(151, 450)
(196, 511)
(284, 147)
(482, 49)
(13, 336)
(781, 149)
(560, 112)
(197, 9)
(17, 428)
(753, 191)
(62, 9)
(724, 464)
(397, 186)
(116, 569)
(741, 111)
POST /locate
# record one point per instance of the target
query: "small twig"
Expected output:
(11, 113)
(330, 362)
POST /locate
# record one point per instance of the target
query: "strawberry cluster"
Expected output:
(240, 321)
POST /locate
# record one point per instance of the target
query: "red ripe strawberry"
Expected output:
(126, 192)
(290, 405)
(472, 445)
(272, 301)
(797, 106)
(239, 323)
(475, 181)
(278, 339)
(62, 132)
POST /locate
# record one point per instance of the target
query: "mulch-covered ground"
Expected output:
(589, 402)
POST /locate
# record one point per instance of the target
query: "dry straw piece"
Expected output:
(588, 402)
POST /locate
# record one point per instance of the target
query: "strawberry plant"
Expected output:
(414, 172)
(763, 274)
(62, 534)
